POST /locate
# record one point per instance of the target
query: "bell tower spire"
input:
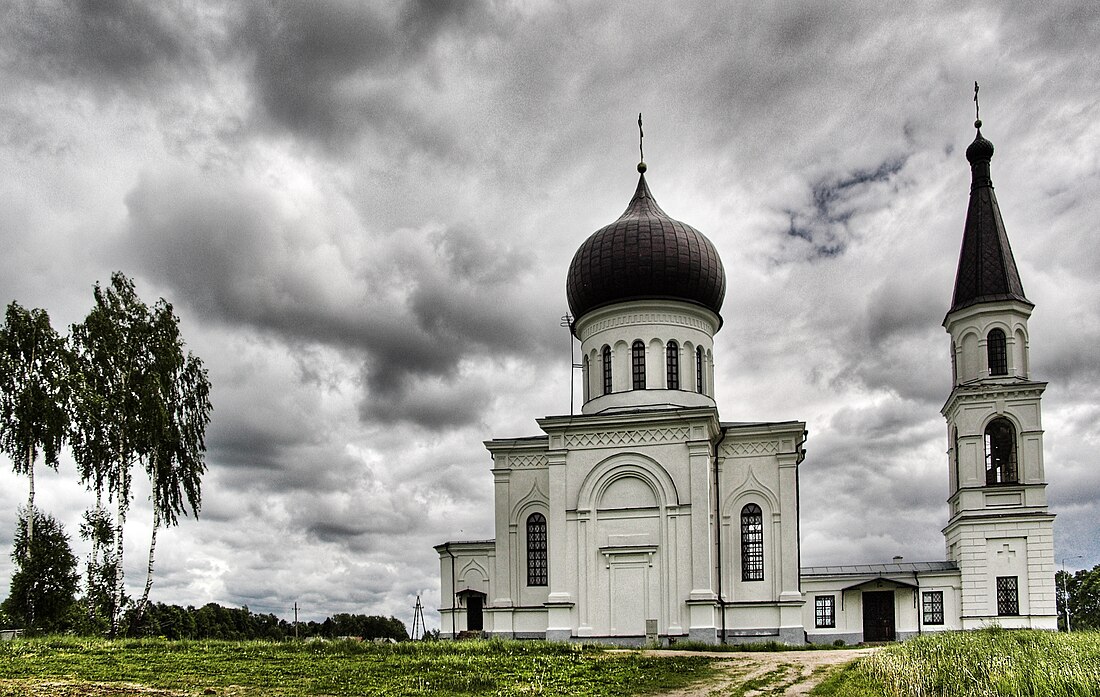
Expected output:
(999, 531)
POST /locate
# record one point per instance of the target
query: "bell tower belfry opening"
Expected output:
(999, 530)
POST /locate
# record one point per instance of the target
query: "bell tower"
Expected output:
(999, 531)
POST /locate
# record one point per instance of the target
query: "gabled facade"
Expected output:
(647, 518)
(645, 515)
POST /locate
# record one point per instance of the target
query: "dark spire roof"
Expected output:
(987, 272)
(645, 254)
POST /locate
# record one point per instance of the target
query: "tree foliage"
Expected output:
(34, 404)
(213, 621)
(1083, 589)
(43, 588)
(138, 399)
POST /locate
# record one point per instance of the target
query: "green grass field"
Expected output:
(963, 664)
(342, 668)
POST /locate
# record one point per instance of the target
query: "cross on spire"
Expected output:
(977, 118)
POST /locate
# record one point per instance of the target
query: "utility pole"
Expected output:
(567, 322)
(295, 620)
(418, 619)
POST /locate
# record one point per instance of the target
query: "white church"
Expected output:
(648, 518)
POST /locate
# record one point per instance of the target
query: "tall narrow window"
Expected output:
(536, 549)
(932, 607)
(1008, 596)
(607, 370)
(699, 369)
(824, 611)
(637, 364)
(752, 543)
(997, 352)
(672, 365)
(585, 377)
(1000, 452)
(955, 456)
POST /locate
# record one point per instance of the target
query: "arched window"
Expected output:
(637, 364)
(954, 365)
(699, 369)
(752, 543)
(1000, 452)
(672, 365)
(607, 370)
(997, 352)
(536, 549)
(955, 456)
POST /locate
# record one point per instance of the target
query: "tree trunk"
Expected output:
(117, 591)
(30, 530)
(30, 500)
(149, 571)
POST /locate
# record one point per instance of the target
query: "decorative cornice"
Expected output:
(637, 318)
(642, 436)
(742, 449)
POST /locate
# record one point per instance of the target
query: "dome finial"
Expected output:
(977, 118)
(981, 150)
(641, 154)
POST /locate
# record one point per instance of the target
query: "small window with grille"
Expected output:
(752, 543)
(824, 611)
(699, 381)
(997, 352)
(672, 365)
(1008, 596)
(637, 361)
(932, 606)
(536, 549)
(607, 370)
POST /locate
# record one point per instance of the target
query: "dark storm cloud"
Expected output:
(410, 305)
(325, 70)
(135, 46)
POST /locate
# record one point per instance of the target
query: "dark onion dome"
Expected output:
(980, 149)
(645, 255)
(987, 271)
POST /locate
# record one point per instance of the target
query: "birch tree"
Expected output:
(139, 400)
(34, 408)
(178, 394)
(110, 433)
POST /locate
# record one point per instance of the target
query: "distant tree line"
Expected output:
(1082, 591)
(213, 621)
(123, 395)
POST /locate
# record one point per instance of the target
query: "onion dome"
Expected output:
(980, 149)
(987, 271)
(645, 255)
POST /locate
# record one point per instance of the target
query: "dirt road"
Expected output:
(795, 672)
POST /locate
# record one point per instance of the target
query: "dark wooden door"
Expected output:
(473, 613)
(878, 616)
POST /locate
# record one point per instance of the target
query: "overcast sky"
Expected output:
(364, 213)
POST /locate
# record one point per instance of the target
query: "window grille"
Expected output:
(824, 611)
(607, 370)
(752, 543)
(1008, 596)
(637, 359)
(1000, 452)
(997, 352)
(536, 549)
(932, 607)
(672, 365)
(699, 369)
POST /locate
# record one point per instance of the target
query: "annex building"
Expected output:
(647, 517)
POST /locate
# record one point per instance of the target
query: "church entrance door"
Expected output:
(878, 616)
(473, 613)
